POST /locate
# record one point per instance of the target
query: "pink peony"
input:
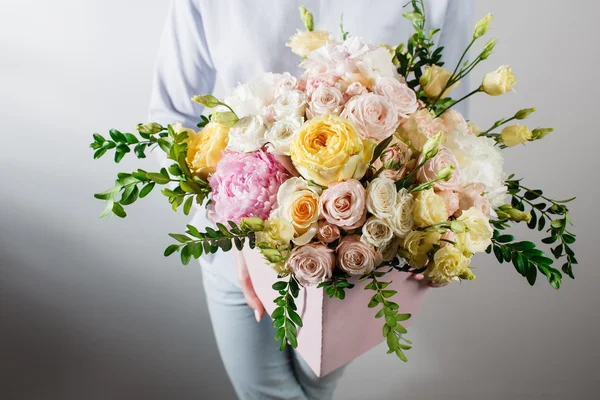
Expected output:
(245, 185)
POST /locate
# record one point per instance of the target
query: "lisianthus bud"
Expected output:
(540, 133)
(307, 18)
(272, 255)
(253, 224)
(515, 134)
(499, 82)
(457, 226)
(445, 173)
(150, 128)
(207, 100)
(515, 214)
(487, 49)
(524, 113)
(432, 146)
(482, 26)
(224, 118)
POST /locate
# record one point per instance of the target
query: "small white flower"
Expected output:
(248, 134)
(281, 133)
(250, 98)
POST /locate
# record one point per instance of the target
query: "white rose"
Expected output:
(389, 251)
(325, 100)
(298, 202)
(480, 161)
(478, 235)
(374, 116)
(402, 220)
(284, 83)
(289, 104)
(376, 232)
(401, 96)
(250, 98)
(248, 134)
(281, 133)
(381, 197)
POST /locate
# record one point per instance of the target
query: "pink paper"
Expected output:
(336, 331)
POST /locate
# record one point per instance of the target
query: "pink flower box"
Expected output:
(336, 331)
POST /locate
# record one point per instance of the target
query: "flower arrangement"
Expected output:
(356, 168)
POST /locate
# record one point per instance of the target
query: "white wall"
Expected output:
(91, 310)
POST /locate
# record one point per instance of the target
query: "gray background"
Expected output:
(89, 309)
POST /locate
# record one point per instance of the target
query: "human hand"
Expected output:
(421, 278)
(247, 288)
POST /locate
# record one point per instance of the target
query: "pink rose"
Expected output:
(452, 200)
(402, 97)
(454, 121)
(245, 185)
(356, 257)
(374, 116)
(354, 89)
(284, 83)
(314, 82)
(344, 204)
(473, 196)
(443, 159)
(398, 155)
(420, 127)
(325, 100)
(312, 263)
(327, 232)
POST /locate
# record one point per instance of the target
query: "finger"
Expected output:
(417, 277)
(248, 289)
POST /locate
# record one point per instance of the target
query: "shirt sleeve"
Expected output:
(183, 67)
(456, 34)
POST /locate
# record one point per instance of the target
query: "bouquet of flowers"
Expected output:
(359, 167)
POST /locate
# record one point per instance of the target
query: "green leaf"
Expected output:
(171, 249)
(147, 189)
(117, 136)
(118, 210)
(108, 209)
(295, 317)
(180, 238)
(109, 194)
(402, 317)
(381, 148)
(392, 341)
(413, 17)
(130, 139)
(158, 178)
(188, 205)
(186, 255)
(280, 285)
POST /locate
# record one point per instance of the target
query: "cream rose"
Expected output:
(478, 235)
(429, 209)
(449, 264)
(281, 133)
(311, 264)
(444, 158)
(402, 220)
(298, 202)
(376, 232)
(515, 134)
(289, 104)
(343, 204)
(248, 134)
(374, 116)
(402, 97)
(355, 257)
(327, 232)
(325, 100)
(381, 197)
(302, 43)
(499, 82)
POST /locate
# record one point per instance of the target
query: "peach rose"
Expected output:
(454, 121)
(374, 116)
(452, 200)
(473, 196)
(311, 264)
(327, 233)
(356, 257)
(443, 159)
(344, 204)
(421, 126)
(402, 97)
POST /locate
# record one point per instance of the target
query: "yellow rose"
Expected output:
(328, 149)
(303, 43)
(434, 81)
(205, 148)
(499, 82)
(429, 209)
(478, 234)
(298, 203)
(449, 264)
(418, 244)
(515, 134)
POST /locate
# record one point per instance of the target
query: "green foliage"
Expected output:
(124, 143)
(551, 215)
(337, 285)
(194, 243)
(285, 316)
(392, 329)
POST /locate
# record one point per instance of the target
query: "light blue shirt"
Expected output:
(233, 41)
